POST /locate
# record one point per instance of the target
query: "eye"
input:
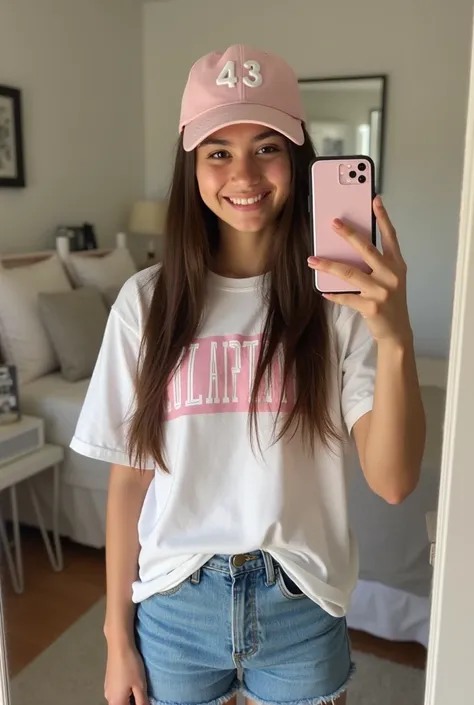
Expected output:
(268, 149)
(221, 154)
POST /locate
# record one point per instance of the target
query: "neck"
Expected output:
(241, 254)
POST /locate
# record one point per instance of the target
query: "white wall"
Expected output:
(79, 65)
(422, 45)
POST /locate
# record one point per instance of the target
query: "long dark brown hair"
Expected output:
(296, 315)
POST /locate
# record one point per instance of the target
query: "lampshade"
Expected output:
(148, 218)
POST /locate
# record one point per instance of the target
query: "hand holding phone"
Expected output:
(340, 187)
(382, 298)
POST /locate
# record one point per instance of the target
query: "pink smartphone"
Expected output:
(340, 187)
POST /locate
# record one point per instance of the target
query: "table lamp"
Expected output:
(148, 218)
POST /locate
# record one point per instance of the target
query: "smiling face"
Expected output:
(244, 176)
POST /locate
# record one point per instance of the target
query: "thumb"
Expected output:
(139, 697)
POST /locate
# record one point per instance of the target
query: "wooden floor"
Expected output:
(52, 602)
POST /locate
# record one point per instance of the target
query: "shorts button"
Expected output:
(239, 560)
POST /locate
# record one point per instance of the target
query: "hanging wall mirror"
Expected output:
(346, 116)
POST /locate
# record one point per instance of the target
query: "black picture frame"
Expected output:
(12, 165)
(383, 77)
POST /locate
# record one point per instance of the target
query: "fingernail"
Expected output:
(378, 201)
(313, 260)
(337, 223)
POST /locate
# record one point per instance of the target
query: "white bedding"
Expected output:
(392, 598)
(84, 491)
(59, 402)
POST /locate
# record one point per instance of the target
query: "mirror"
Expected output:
(346, 116)
(97, 136)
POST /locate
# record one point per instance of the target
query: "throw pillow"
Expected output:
(102, 272)
(24, 340)
(75, 322)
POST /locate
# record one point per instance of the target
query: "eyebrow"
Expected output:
(227, 143)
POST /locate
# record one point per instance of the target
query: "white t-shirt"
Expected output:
(224, 496)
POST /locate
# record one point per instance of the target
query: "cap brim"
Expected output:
(223, 116)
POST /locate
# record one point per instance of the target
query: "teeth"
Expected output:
(246, 201)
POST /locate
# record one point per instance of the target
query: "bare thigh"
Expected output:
(342, 700)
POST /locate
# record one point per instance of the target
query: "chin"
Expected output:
(248, 225)
(248, 222)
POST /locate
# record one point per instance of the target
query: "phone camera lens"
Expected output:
(362, 166)
(352, 174)
(362, 179)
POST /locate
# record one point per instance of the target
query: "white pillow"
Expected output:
(111, 270)
(23, 337)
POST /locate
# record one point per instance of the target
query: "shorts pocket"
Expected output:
(288, 588)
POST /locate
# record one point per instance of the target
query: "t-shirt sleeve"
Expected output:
(102, 427)
(358, 361)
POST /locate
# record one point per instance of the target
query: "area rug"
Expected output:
(72, 671)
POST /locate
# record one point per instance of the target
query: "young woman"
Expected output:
(236, 389)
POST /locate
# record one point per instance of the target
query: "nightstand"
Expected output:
(23, 469)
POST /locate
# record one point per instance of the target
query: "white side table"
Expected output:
(24, 469)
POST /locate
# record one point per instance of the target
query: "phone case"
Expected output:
(337, 191)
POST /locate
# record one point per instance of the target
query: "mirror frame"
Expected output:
(363, 77)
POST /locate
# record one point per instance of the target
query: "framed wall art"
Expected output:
(12, 169)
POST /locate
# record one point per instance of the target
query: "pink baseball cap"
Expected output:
(240, 85)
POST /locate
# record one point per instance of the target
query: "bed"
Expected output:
(84, 490)
(58, 402)
(392, 598)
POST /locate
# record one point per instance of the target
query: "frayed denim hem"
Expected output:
(322, 700)
(217, 701)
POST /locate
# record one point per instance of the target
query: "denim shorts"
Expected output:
(239, 624)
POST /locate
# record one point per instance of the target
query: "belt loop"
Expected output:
(269, 569)
(196, 577)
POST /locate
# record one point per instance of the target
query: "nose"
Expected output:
(245, 171)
